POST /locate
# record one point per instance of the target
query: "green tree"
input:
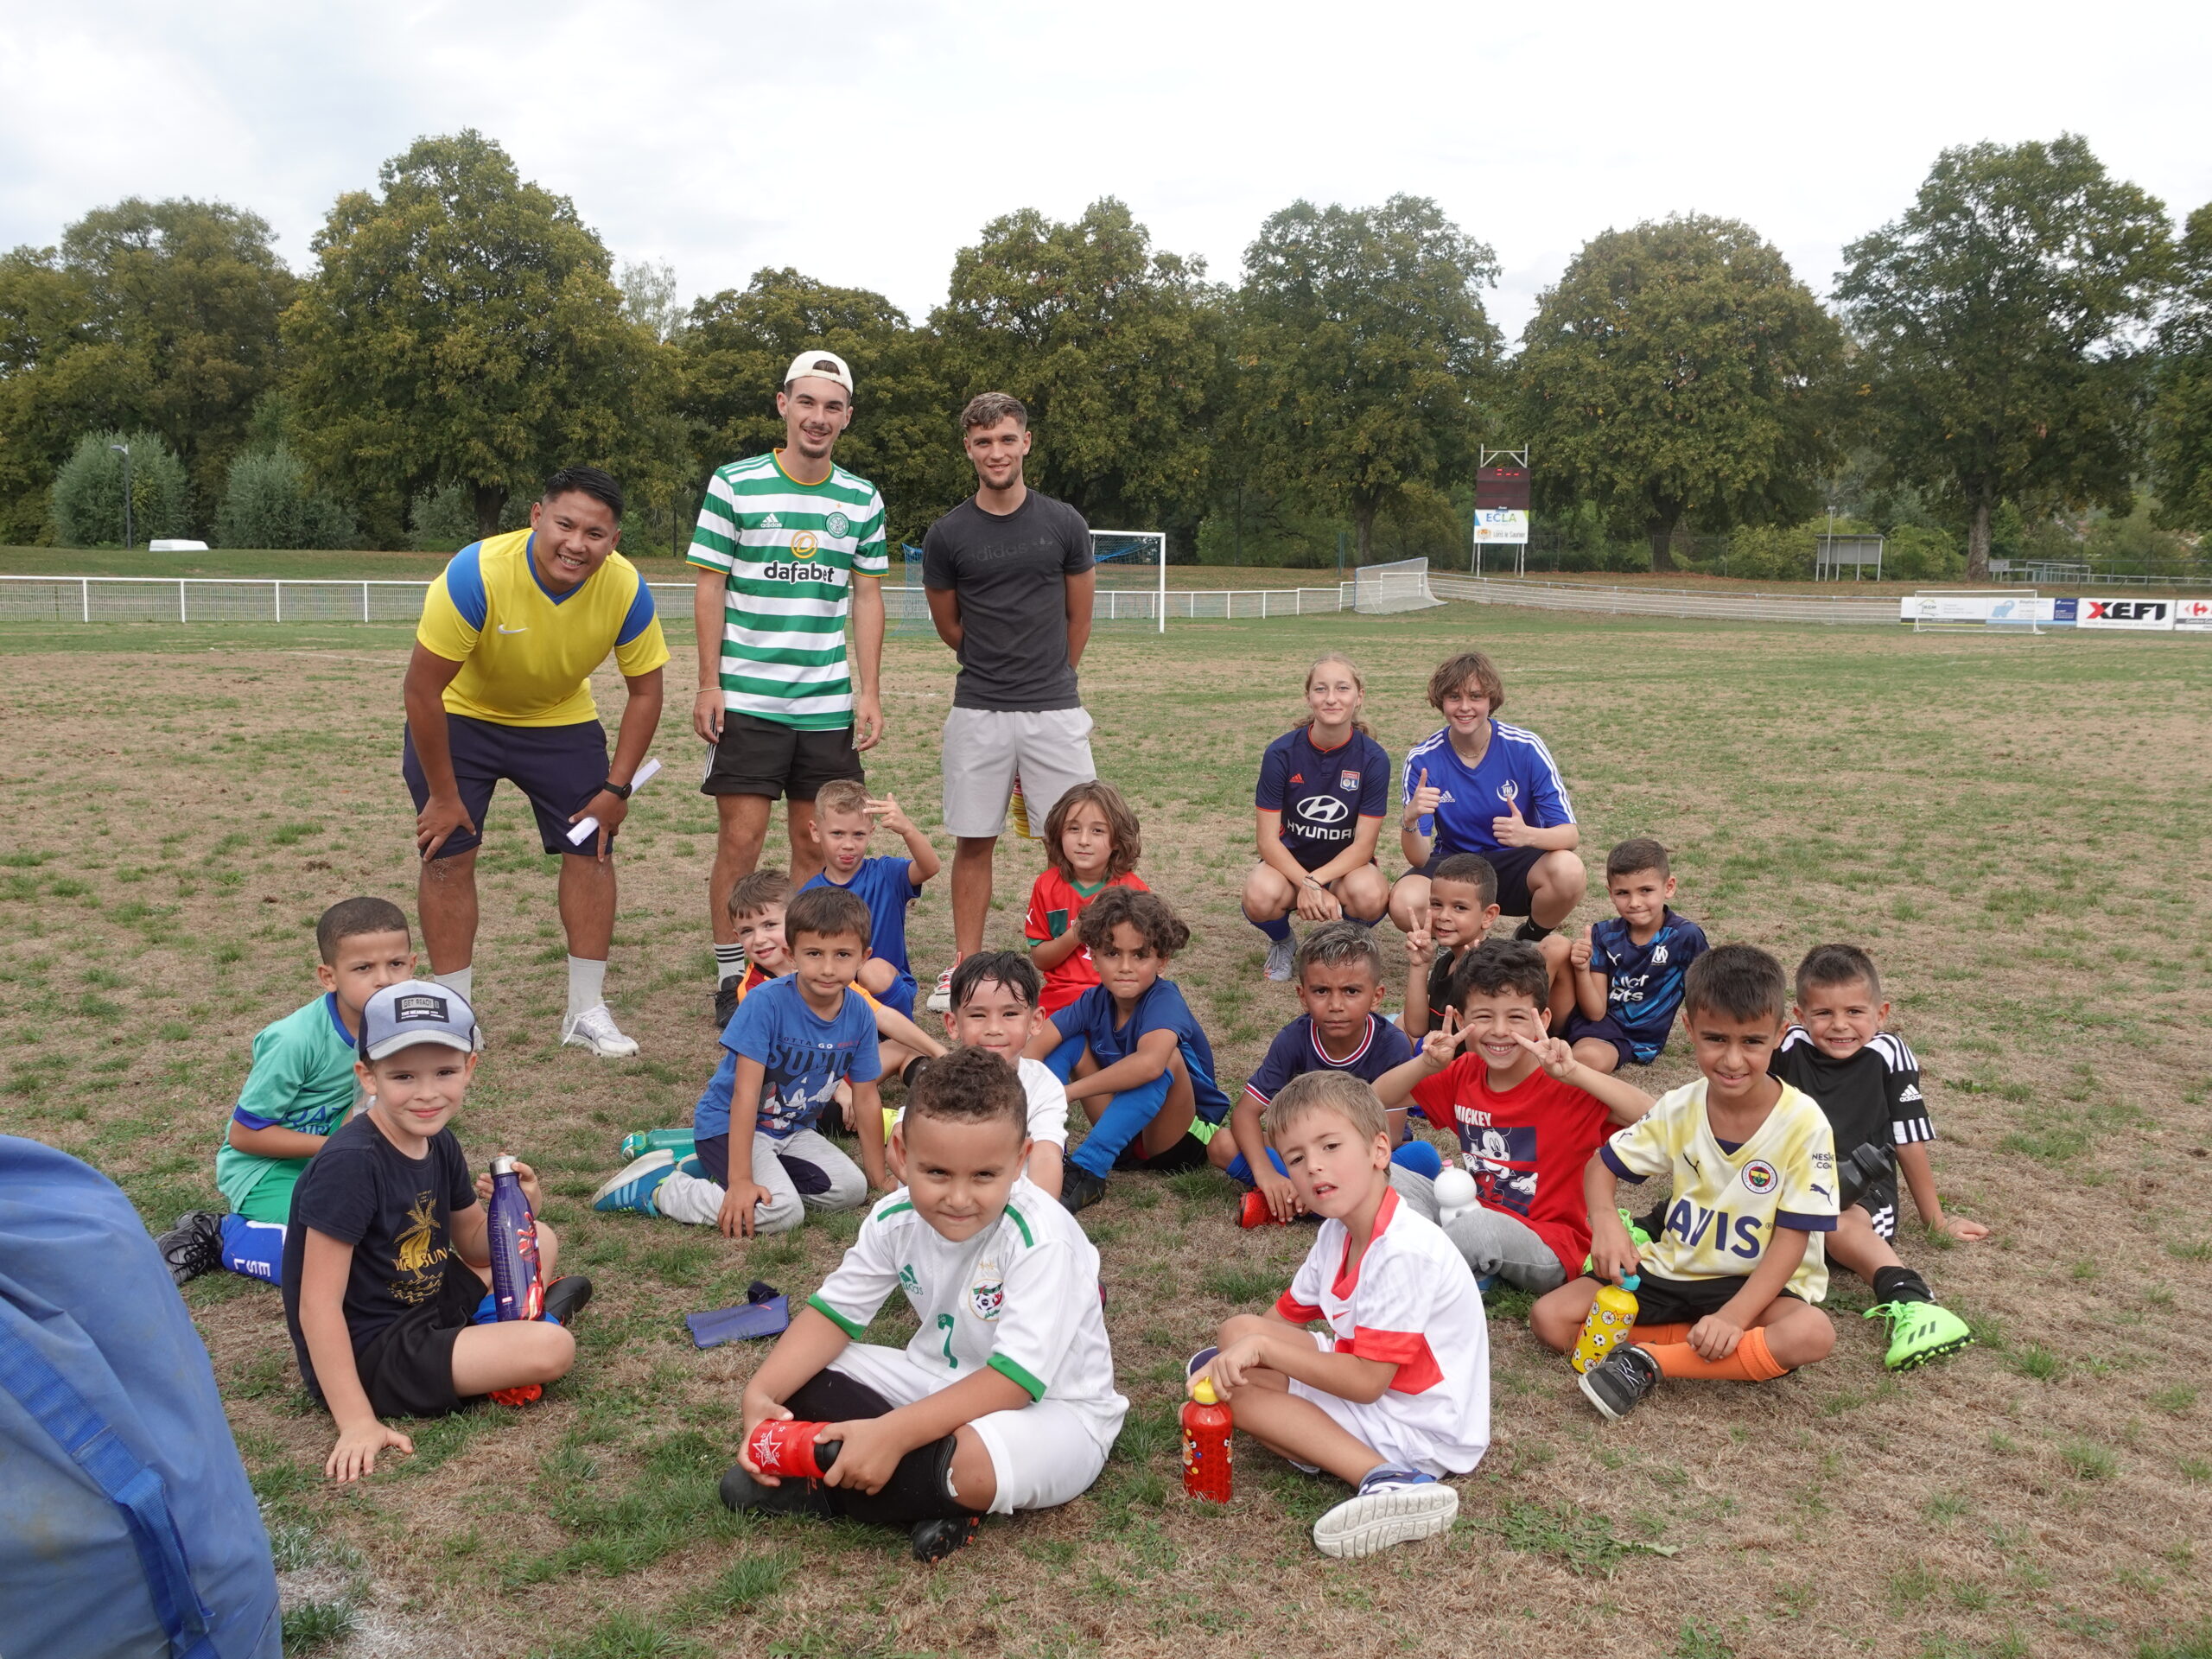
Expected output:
(1362, 350)
(88, 495)
(1680, 373)
(463, 327)
(1109, 344)
(2000, 322)
(2181, 419)
(733, 350)
(271, 502)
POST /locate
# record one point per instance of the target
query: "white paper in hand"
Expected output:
(587, 827)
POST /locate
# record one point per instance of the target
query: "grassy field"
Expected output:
(2016, 827)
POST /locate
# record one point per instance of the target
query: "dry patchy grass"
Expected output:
(2015, 826)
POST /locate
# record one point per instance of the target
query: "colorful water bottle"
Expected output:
(1207, 1424)
(638, 1142)
(784, 1445)
(1019, 808)
(1611, 1315)
(512, 1234)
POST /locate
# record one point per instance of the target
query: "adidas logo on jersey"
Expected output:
(1910, 1093)
(771, 522)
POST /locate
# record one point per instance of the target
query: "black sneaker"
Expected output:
(789, 1496)
(1618, 1384)
(1080, 1189)
(193, 1246)
(566, 1296)
(726, 1001)
(935, 1539)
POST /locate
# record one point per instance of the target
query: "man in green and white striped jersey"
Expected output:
(787, 544)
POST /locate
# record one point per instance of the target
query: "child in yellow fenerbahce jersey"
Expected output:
(1726, 1289)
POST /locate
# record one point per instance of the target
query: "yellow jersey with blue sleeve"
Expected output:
(1728, 1200)
(527, 654)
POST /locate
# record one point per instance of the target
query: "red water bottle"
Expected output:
(1255, 1212)
(1206, 1425)
(784, 1445)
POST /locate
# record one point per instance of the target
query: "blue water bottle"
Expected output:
(516, 1292)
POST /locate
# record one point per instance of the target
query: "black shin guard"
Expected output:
(1900, 1285)
(918, 1490)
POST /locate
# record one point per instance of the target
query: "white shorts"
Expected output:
(1381, 1430)
(1043, 1454)
(985, 747)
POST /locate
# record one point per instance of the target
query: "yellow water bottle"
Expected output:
(1019, 810)
(1611, 1317)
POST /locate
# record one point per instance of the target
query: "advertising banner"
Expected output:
(2194, 615)
(1975, 607)
(1500, 524)
(2135, 614)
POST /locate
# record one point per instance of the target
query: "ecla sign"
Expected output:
(2153, 613)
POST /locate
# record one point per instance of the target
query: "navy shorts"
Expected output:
(1606, 1029)
(559, 768)
(1512, 865)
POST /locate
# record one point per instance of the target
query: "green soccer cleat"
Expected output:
(1920, 1332)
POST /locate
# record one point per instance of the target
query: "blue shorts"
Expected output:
(900, 999)
(1512, 865)
(1633, 1051)
(559, 768)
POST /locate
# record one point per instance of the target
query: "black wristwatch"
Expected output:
(619, 791)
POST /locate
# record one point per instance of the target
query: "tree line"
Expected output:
(2026, 348)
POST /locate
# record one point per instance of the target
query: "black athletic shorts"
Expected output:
(1512, 865)
(764, 757)
(406, 1369)
(559, 768)
(1685, 1301)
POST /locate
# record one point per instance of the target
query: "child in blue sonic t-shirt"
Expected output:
(788, 1047)
(301, 1089)
(1627, 977)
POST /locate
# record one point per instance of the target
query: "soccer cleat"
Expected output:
(1080, 1189)
(523, 1393)
(1920, 1332)
(1282, 954)
(565, 1298)
(193, 1246)
(936, 1539)
(595, 1029)
(941, 999)
(632, 1187)
(726, 1001)
(739, 1491)
(1618, 1383)
(1392, 1506)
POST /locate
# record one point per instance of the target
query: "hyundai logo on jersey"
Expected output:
(1323, 809)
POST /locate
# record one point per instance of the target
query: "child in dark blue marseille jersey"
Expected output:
(844, 818)
(1131, 1053)
(1339, 980)
(1628, 974)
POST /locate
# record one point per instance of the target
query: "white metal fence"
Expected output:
(1662, 601)
(233, 599)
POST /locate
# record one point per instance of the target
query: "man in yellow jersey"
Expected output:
(500, 686)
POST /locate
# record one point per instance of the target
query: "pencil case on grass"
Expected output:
(765, 1312)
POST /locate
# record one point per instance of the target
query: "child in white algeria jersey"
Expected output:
(1396, 1393)
(1003, 1400)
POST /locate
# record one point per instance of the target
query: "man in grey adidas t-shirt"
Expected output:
(1010, 580)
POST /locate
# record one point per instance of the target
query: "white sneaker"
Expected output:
(941, 999)
(595, 1029)
(1282, 956)
(1392, 1506)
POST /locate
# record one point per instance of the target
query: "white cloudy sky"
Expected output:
(865, 143)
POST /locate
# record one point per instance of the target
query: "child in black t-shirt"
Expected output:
(1868, 1083)
(387, 1261)
(1462, 908)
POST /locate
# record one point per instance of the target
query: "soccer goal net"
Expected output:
(1380, 589)
(1944, 610)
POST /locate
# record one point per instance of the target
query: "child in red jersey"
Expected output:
(1092, 839)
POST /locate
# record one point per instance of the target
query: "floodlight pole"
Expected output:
(123, 449)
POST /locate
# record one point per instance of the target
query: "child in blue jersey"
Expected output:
(760, 1161)
(1339, 979)
(1131, 1053)
(844, 818)
(301, 1088)
(1628, 974)
(1323, 791)
(1478, 786)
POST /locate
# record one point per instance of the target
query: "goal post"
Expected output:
(1949, 610)
(1385, 589)
(1130, 567)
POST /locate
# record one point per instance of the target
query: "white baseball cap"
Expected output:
(417, 1011)
(824, 366)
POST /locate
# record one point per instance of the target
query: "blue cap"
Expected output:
(417, 1011)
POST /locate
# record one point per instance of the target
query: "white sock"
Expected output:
(462, 980)
(587, 985)
(730, 962)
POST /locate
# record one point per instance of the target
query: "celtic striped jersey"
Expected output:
(789, 551)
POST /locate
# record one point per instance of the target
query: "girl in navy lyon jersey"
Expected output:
(1324, 790)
